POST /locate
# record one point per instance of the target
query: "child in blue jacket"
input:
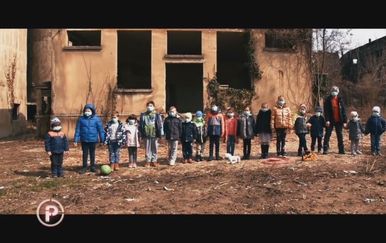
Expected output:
(376, 125)
(56, 144)
(88, 129)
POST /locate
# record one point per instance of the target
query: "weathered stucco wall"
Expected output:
(13, 51)
(284, 73)
(82, 76)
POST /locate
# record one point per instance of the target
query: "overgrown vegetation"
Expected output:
(230, 97)
(10, 76)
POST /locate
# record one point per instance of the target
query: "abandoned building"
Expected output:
(363, 69)
(122, 69)
(13, 81)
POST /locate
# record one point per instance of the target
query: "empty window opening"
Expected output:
(134, 59)
(15, 111)
(233, 59)
(279, 39)
(84, 38)
(184, 42)
(184, 86)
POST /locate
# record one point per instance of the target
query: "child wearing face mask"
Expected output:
(376, 126)
(215, 121)
(115, 138)
(263, 129)
(56, 144)
(88, 129)
(246, 130)
(355, 132)
(201, 135)
(230, 131)
(173, 132)
(317, 124)
(188, 135)
(301, 130)
(281, 121)
(132, 139)
(151, 128)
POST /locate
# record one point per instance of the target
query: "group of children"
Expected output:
(195, 131)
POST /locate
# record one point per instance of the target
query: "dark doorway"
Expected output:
(233, 59)
(184, 87)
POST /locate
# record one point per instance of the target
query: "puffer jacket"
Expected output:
(375, 125)
(172, 128)
(89, 128)
(355, 129)
(216, 124)
(301, 125)
(281, 117)
(246, 127)
(120, 134)
(202, 132)
(56, 142)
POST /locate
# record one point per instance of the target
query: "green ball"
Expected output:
(106, 170)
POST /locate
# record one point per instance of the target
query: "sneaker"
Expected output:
(353, 153)
(374, 153)
(358, 152)
(134, 165)
(172, 163)
(147, 164)
(190, 161)
(342, 152)
(53, 176)
(154, 164)
(210, 158)
(379, 153)
(93, 169)
(83, 170)
(325, 152)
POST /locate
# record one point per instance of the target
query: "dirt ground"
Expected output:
(334, 184)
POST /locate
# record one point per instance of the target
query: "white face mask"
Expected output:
(172, 113)
(302, 112)
(356, 119)
(375, 113)
(150, 108)
(334, 93)
(318, 113)
(57, 128)
(281, 102)
(264, 109)
(231, 114)
(247, 113)
(115, 120)
(131, 122)
(87, 113)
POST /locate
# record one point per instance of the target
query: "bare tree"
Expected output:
(327, 42)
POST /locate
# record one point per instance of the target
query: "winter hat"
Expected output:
(55, 122)
(319, 109)
(199, 114)
(354, 114)
(335, 88)
(377, 109)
